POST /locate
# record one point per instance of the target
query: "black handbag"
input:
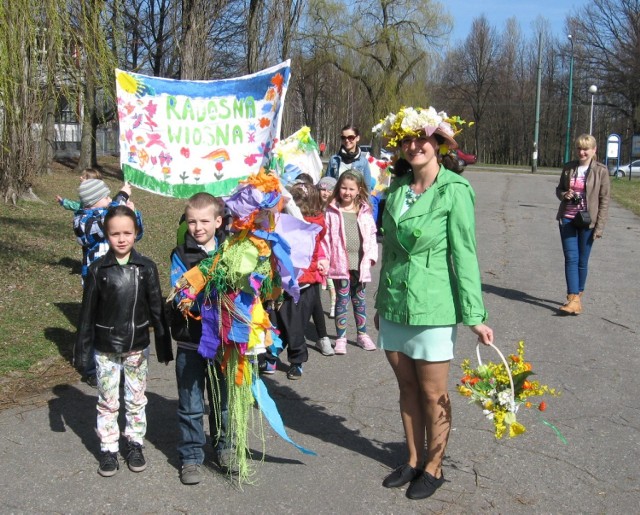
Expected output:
(582, 220)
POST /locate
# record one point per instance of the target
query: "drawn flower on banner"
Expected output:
(489, 387)
(278, 82)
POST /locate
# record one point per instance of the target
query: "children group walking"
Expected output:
(122, 301)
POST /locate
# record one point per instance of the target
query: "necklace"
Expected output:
(411, 197)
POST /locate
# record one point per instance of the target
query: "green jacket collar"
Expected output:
(427, 202)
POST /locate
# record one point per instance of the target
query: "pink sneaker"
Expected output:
(341, 346)
(365, 342)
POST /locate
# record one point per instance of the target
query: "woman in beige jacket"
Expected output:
(583, 186)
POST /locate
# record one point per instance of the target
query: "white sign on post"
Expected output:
(613, 147)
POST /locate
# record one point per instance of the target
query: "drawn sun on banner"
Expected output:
(179, 137)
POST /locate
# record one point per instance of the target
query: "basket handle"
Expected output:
(506, 366)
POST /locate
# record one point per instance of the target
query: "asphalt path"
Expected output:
(345, 407)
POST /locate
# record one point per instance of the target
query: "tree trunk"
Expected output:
(88, 154)
(194, 40)
(253, 34)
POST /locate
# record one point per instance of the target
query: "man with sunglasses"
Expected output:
(349, 157)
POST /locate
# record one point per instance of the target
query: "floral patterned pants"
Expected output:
(108, 369)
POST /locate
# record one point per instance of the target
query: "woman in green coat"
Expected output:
(429, 283)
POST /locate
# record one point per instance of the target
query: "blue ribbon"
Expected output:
(270, 412)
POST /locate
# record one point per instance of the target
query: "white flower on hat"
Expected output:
(410, 122)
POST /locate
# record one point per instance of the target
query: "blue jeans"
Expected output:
(576, 245)
(193, 376)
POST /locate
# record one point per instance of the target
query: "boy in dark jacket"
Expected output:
(203, 216)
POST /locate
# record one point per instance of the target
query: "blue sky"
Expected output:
(497, 12)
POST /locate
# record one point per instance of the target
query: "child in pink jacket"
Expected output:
(352, 249)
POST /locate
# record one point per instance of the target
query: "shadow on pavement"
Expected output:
(75, 410)
(521, 296)
(301, 414)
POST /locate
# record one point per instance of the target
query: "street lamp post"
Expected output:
(568, 140)
(593, 89)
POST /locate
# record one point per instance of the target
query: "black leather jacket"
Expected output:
(119, 305)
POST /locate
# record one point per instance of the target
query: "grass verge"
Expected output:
(626, 193)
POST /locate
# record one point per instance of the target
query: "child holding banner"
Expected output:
(74, 205)
(350, 244)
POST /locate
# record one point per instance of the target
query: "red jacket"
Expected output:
(311, 274)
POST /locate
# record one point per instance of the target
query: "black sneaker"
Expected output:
(92, 381)
(135, 458)
(108, 464)
(295, 372)
(423, 486)
(401, 476)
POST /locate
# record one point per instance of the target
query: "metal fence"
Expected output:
(67, 142)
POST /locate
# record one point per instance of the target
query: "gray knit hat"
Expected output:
(92, 191)
(327, 183)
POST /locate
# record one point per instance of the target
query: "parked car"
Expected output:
(385, 155)
(464, 158)
(624, 170)
(365, 149)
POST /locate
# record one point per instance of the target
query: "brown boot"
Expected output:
(573, 305)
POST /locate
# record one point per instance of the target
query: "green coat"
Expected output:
(430, 273)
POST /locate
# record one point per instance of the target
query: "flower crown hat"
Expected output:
(413, 121)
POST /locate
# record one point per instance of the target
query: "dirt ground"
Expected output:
(34, 386)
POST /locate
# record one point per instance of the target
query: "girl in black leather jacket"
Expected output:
(121, 301)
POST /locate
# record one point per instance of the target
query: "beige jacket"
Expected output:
(597, 187)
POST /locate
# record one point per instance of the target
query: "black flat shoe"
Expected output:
(424, 486)
(401, 476)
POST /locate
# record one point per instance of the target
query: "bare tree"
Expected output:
(473, 72)
(254, 19)
(607, 36)
(193, 55)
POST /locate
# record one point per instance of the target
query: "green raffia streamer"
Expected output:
(554, 428)
(266, 288)
(216, 278)
(213, 370)
(240, 406)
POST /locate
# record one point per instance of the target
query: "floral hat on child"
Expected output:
(327, 183)
(412, 121)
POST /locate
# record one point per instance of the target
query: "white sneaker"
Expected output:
(324, 346)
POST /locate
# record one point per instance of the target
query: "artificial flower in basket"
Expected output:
(502, 388)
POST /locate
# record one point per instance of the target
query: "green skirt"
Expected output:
(426, 342)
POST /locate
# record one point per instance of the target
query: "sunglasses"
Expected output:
(350, 137)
